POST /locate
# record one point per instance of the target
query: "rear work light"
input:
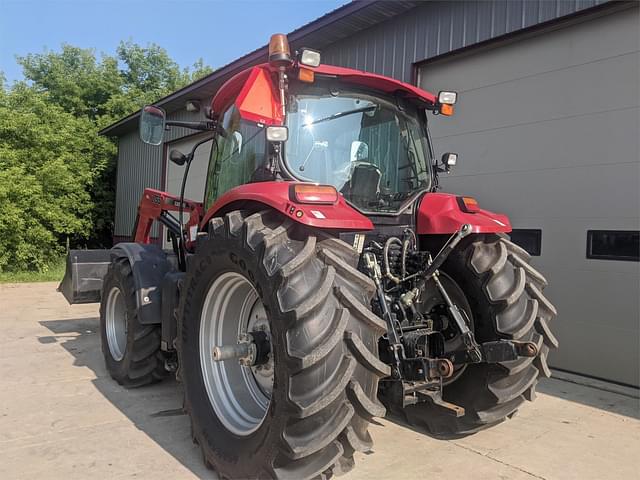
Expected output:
(315, 194)
(277, 134)
(310, 58)
(449, 98)
(468, 204)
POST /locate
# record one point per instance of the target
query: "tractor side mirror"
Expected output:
(152, 124)
(449, 160)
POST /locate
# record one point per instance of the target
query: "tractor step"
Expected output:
(82, 281)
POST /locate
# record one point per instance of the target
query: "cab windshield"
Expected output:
(373, 149)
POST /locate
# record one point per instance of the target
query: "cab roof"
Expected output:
(233, 87)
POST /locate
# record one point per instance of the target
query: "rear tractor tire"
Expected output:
(131, 350)
(304, 412)
(504, 293)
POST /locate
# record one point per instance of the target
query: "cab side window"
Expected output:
(241, 152)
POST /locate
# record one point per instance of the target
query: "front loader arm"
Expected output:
(155, 205)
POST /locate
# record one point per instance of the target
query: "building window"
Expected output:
(528, 238)
(613, 244)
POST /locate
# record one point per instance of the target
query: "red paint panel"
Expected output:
(440, 213)
(276, 195)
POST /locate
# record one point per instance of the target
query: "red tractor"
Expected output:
(323, 278)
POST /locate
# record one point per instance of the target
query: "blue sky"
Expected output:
(218, 31)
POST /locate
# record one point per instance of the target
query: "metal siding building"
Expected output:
(538, 134)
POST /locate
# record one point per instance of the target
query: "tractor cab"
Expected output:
(293, 119)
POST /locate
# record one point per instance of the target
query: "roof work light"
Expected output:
(448, 98)
(309, 57)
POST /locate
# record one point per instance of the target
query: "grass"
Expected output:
(54, 272)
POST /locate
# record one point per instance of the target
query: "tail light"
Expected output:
(315, 194)
(468, 204)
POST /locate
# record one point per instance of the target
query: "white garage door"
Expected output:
(547, 131)
(194, 189)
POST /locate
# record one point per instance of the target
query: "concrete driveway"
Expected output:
(61, 416)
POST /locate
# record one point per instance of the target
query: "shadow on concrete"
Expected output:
(155, 409)
(620, 403)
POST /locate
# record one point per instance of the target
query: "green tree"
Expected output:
(114, 86)
(47, 169)
(74, 79)
(57, 175)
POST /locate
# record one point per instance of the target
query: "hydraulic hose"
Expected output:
(385, 259)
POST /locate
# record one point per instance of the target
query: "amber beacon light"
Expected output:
(279, 52)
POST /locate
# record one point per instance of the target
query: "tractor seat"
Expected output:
(363, 187)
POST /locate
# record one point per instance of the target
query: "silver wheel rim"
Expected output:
(240, 395)
(116, 324)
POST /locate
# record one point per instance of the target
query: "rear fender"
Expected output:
(440, 213)
(339, 216)
(149, 265)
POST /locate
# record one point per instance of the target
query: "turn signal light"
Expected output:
(446, 109)
(468, 204)
(311, 193)
(306, 75)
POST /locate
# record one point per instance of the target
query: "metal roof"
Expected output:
(334, 26)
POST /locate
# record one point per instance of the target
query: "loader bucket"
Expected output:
(82, 282)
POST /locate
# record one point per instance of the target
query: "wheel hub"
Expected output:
(235, 353)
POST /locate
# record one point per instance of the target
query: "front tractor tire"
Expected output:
(505, 297)
(131, 350)
(303, 413)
